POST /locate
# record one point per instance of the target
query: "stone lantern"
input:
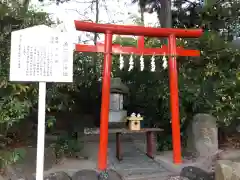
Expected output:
(117, 114)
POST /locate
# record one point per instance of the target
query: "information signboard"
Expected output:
(41, 55)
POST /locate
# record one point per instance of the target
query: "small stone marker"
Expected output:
(202, 136)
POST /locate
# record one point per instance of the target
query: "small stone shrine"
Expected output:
(117, 114)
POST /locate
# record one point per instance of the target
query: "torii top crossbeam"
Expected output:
(108, 48)
(137, 30)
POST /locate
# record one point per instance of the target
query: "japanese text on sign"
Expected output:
(48, 58)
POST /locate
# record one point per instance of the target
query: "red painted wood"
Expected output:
(174, 99)
(117, 49)
(107, 65)
(136, 30)
(141, 42)
(150, 141)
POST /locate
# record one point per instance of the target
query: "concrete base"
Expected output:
(166, 160)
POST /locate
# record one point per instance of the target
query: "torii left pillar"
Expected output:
(103, 146)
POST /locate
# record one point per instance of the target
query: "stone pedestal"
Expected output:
(116, 119)
(117, 116)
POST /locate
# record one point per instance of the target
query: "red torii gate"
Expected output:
(108, 48)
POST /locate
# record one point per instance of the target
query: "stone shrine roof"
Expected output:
(118, 87)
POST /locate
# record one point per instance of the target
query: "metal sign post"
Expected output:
(41, 54)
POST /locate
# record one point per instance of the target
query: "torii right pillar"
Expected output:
(173, 84)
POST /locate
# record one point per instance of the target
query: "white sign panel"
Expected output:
(41, 54)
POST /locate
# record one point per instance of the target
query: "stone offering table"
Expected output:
(121, 131)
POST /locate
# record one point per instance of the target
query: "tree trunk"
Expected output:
(25, 4)
(95, 56)
(96, 20)
(165, 14)
(142, 15)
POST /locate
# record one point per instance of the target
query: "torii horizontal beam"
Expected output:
(137, 30)
(118, 49)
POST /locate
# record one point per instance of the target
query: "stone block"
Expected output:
(57, 176)
(202, 136)
(227, 170)
(85, 174)
(195, 173)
